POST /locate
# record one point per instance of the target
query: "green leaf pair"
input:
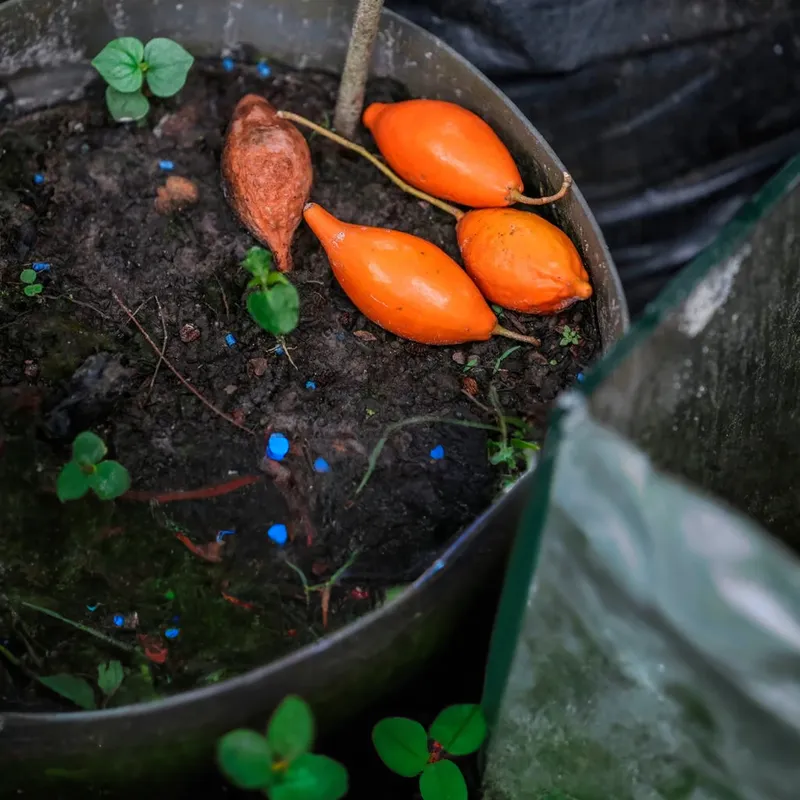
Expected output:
(280, 764)
(79, 691)
(275, 304)
(126, 64)
(87, 470)
(31, 288)
(402, 745)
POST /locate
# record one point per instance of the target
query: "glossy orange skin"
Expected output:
(401, 282)
(522, 262)
(444, 150)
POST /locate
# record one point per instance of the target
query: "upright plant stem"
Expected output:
(350, 101)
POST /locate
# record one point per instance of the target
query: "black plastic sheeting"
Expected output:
(669, 113)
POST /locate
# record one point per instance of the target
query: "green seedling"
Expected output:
(504, 357)
(280, 764)
(274, 303)
(127, 65)
(512, 450)
(87, 470)
(569, 336)
(409, 750)
(498, 311)
(471, 364)
(31, 288)
(80, 692)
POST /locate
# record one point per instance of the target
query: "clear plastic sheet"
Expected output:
(647, 645)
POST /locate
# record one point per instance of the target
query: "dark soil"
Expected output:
(70, 360)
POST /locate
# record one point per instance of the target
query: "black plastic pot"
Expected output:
(45, 46)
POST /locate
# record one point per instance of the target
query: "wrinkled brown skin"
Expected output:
(267, 175)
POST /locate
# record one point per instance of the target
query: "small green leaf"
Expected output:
(72, 483)
(290, 732)
(168, 64)
(402, 745)
(245, 759)
(110, 677)
(77, 690)
(110, 480)
(33, 289)
(119, 62)
(258, 261)
(311, 777)
(126, 107)
(276, 310)
(28, 276)
(443, 781)
(460, 729)
(88, 448)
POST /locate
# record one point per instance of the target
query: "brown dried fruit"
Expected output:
(266, 170)
(189, 333)
(175, 194)
(470, 386)
(365, 336)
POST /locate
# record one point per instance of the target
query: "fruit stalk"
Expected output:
(374, 160)
(350, 101)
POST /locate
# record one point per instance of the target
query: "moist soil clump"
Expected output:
(182, 569)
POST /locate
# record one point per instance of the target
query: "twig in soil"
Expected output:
(195, 392)
(163, 350)
(194, 494)
(424, 420)
(498, 410)
(107, 639)
(69, 298)
(224, 296)
(374, 160)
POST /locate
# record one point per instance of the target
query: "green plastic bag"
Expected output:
(648, 640)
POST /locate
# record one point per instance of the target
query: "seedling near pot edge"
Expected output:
(126, 64)
(88, 470)
(274, 304)
(280, 764)
(409, 750)
(31, 288)
(569, 336)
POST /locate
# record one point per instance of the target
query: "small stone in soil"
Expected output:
(321, 465)
(41, 266)
(459, 357)
(257, 366)
(31, 369)
(228, 64)
(230, 389)
(277, 446)
(230, 339)
(278, 534)
(311, 385)
(365, 336)
(172, 633)
(437, 454)
(189, 333)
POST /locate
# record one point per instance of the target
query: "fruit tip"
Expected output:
(371, 114)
